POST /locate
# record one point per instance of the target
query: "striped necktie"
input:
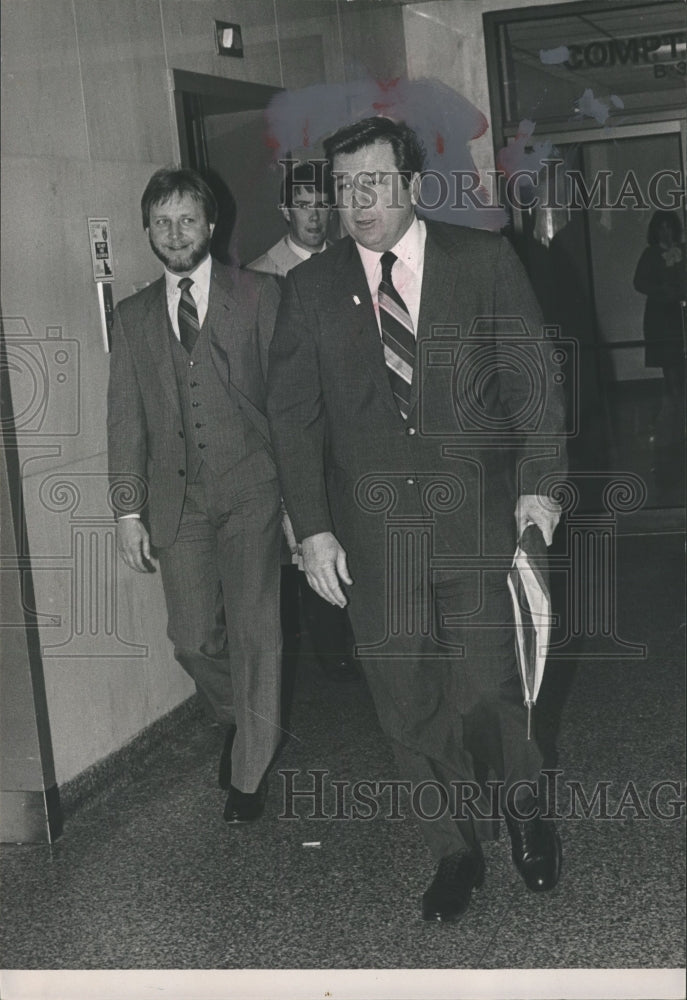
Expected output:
(187, 314)
(397, 336)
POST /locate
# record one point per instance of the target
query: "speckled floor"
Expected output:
(150, 877)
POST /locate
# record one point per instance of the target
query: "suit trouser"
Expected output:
(474, 721)
(327, 625)
(221, 584)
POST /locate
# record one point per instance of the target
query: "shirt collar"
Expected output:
(410, 249)
(301, 251)
(200, 275)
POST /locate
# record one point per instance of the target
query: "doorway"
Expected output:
(581, 253)
(222, 134)
(600, 87)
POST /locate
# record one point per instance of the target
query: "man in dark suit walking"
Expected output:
(404, 452)
(192, 472)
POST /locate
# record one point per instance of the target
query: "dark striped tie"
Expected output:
(397, 336)
(189, 327)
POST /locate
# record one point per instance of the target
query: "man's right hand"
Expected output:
(133, 544)
(324, 562)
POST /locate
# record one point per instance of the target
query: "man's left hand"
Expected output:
(532, 508)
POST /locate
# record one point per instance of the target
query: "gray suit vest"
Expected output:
(215, 429)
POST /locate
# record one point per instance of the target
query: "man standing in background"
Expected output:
(306, 204)
(192, 472)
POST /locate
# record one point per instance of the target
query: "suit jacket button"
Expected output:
(181, 434)
(201, 445)
(181, 472)
(195, 404)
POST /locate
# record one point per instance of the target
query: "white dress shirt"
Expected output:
(301, 251)
(200, 292)
(407, 270)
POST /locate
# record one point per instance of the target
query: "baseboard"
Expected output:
(30, 817)
(121, 766)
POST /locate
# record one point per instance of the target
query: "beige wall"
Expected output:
(445, 39)
(87, 117)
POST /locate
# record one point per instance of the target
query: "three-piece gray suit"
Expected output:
(187, 432)
(424, 507)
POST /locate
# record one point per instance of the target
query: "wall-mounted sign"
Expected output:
(101, 249)
(650, 49)
(100, 239)
(557, 68)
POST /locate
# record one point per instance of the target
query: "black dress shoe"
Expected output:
(245, 807)
(536, 852)
(224, 771)
(448, 897)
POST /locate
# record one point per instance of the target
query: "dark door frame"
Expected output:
(199, 94)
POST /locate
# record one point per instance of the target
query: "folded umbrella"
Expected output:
(529, 588)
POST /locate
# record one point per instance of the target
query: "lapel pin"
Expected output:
(356, 300)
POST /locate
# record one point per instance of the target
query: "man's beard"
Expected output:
(182, 260)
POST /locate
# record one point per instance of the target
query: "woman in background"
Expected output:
(661, 276)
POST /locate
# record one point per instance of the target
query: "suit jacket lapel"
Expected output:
(156, 331)
(437, 306)
(222, 298)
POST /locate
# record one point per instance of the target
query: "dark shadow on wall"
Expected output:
(226, 218)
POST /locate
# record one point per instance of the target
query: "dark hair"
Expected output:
(673, 220)
(171, 181)
(409, 153)
(312, 174)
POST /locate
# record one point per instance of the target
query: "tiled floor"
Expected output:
(150, 877)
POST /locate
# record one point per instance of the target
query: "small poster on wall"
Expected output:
(99, 236)
(101, 249)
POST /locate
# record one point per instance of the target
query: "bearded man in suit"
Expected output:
(192, 472)
(394, 437)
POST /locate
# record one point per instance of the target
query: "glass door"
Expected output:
(582, 249)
